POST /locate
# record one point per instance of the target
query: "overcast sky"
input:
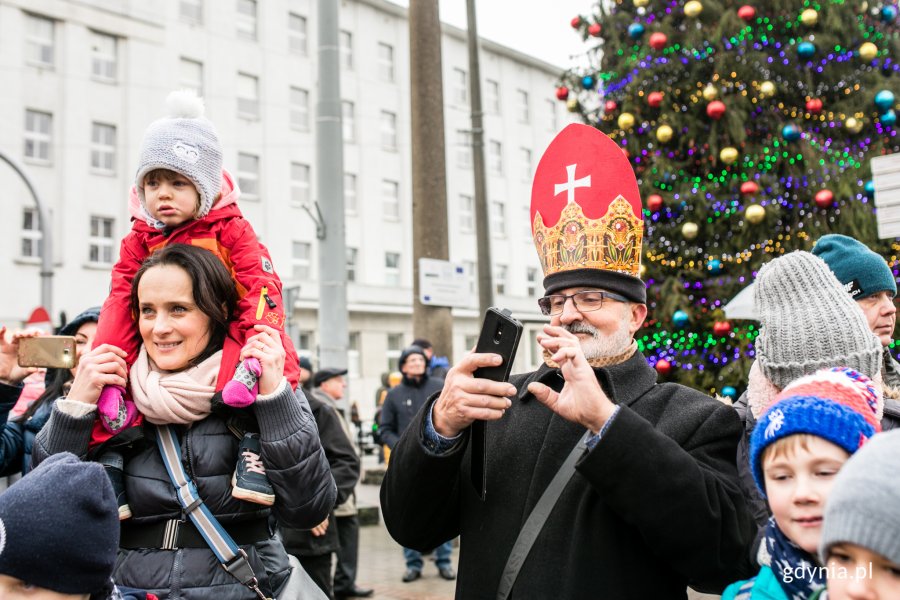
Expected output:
(537, 27)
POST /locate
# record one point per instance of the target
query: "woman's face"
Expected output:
(84, 340)
(173, 328)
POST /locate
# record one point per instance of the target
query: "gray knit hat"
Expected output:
(809, 322)
(187, 143)
(862, 505)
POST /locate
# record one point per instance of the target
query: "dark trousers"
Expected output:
(319, 570)
(347, 554)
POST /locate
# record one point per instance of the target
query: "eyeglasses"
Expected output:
(587, 301)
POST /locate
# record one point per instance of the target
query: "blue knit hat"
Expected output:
(837, 405)
(862, 271)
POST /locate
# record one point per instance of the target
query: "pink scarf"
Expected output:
(180, 397)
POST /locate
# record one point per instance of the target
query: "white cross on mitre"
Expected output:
(571, 184)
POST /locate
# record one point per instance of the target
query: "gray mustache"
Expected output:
(580, 328)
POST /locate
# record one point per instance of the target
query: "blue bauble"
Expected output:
(870, 188)
(715, 266)
(790, 132)
(884, 100)
(680, 318)
(635, 31)
(729, 392)
(889, 118)
(806, 49)
(888, 13)
(587, 82)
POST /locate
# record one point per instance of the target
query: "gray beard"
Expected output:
(599, 346)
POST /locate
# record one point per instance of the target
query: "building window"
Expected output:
(297, 37)
(394, 348)
(32, 238)
(532, 277)
(248, 176)
(301, 253)
(392, 269)
(346, 43)
(472, 274)
(104, 56)
(191, 11)
(390, 195)
(246, 19)
(385, 61)
(354, 358)
(498, 218)
(190, 76)
(38, 135)
(470, 341)
(352, 255)
(460, 86)
(305, 343)
(101, 241)
(39, 41)
(464, 149)
(522, 109)
(525, 153)
(495, 157)
(299, 99)
(350, 193)
(248, 96)
(500, 272)
(492, 97)
(103, 148)
(466, 213)
(551, 113)
(349, 122)
(299, 183)
(388, 130)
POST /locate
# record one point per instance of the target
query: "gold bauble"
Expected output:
(640, 3)
(710, 93)
(693, 8)
(853, 125)
(728, 155)
(868, 51)
(664, 133)
(626, 120)
(689, 230)
(755, 214)
(767, 89)
(809, 17)
(572, 104)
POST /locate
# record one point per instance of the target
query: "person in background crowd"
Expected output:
(306, 374)
(437, 365)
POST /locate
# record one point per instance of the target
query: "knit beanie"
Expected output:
(862, 271)
(862, 505)
(409, 351)
(187, 143)
(59, 527)
(838, 405)
(809, 322)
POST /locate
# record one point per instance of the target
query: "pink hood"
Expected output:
(229, 195)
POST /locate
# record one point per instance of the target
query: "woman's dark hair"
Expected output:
(214, 291)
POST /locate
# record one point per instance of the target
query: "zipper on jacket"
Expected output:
(260, 307)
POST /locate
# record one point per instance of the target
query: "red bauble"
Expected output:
(562, 93)
(746, 12)
(749, 187)
(654, 99)
(721, 328)
(594, 29)
(663, 367)
(824, 198)
(814, 105)
(575, 22)
(610, 106)
(658, 40)
(654, 202)
(715, 109)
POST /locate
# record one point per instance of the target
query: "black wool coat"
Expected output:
(402, 403)
(654, 507)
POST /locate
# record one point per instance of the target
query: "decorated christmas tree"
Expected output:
(750, 128)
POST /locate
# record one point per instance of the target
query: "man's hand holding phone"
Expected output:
(466, 399)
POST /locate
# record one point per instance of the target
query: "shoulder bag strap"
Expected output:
(535, 522)
(232, 558)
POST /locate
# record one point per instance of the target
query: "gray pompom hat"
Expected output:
(185, 142)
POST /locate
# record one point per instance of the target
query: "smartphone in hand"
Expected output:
(50, 351)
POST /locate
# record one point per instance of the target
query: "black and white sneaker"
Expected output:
(249, 481)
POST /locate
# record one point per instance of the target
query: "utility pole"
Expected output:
(429, 175)
(482, 215)
(329, 214)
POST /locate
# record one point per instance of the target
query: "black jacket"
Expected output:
(402, 403)
(654, 506)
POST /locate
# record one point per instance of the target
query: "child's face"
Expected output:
(855, 573)
(171, 199)
(798, 482)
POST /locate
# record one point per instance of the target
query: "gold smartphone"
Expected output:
(50, 351)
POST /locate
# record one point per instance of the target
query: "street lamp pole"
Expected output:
(46, 234)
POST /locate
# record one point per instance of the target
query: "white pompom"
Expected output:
(184, 104)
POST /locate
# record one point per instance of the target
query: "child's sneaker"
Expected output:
(249, 480)
(112, 463)
(241, 391)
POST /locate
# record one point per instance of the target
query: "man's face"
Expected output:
(414, 366)
(604, 332)
(881, 315)
(334, 387)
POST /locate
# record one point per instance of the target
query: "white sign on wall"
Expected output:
(886, 179)
(443, 283)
